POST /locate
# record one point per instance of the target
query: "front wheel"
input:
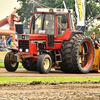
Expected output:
(10, 65)
(25, 64)
(44, 63)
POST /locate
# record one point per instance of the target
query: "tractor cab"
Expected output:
(54, 23)
(51, 21)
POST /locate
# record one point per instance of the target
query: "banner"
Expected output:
(80, 11)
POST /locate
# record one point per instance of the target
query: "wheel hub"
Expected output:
(82, 55)
(46, 63)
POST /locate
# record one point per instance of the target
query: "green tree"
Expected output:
(27, 6)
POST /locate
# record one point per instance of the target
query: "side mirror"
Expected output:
(22, 17)
(84, 28)
(64, 19)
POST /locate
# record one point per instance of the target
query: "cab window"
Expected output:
(62, 24)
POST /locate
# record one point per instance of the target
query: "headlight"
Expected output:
(20, 50)
(38, 53)
(26, 50)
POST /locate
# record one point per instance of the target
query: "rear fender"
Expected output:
(70, 34)
(75, 32)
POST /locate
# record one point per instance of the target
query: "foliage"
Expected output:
(27, 6)
(92, 9)
(97, 31)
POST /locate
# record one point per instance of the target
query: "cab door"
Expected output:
(49, 26)
(62, 29)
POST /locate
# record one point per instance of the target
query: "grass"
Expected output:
(45, 79)
(2, 65)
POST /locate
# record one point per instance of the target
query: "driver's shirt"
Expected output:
(94, 40)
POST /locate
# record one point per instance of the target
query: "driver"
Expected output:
(49, 24)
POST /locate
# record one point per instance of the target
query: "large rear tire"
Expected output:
(71, 53)
(10, 65)
(66, 52)
(44, 63)
(83, 55)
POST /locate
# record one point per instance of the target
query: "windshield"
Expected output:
(44, 24)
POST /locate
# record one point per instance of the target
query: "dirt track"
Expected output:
(49, 91)
(21, 72)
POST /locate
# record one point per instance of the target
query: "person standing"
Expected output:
(10, 39)
(3, 42)
(10, 42)
(95, 40)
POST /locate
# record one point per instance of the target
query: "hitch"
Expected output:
(18, 57)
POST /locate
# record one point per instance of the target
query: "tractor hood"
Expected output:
(38, 37)
(32, 37)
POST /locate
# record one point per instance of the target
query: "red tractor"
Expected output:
(52, 39)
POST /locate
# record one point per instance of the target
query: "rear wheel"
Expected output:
(44, 63)
(77, 54)
(83, 55)
(10, 65)
(66, 52)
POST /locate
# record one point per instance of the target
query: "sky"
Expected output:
(7, 7)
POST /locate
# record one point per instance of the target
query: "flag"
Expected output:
(64, 4)
(80, 11)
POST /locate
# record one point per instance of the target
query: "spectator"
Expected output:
(13, 45)
(11, 42)
(95, 40)
(3, 42)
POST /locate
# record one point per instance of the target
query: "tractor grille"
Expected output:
(23, 45)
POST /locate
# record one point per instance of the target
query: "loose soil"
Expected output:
(50, 91)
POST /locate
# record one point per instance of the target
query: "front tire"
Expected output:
(32, 65)
(44, 63)
(25, 65)
(10, 65)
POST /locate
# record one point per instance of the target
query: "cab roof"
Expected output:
(55, 10)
